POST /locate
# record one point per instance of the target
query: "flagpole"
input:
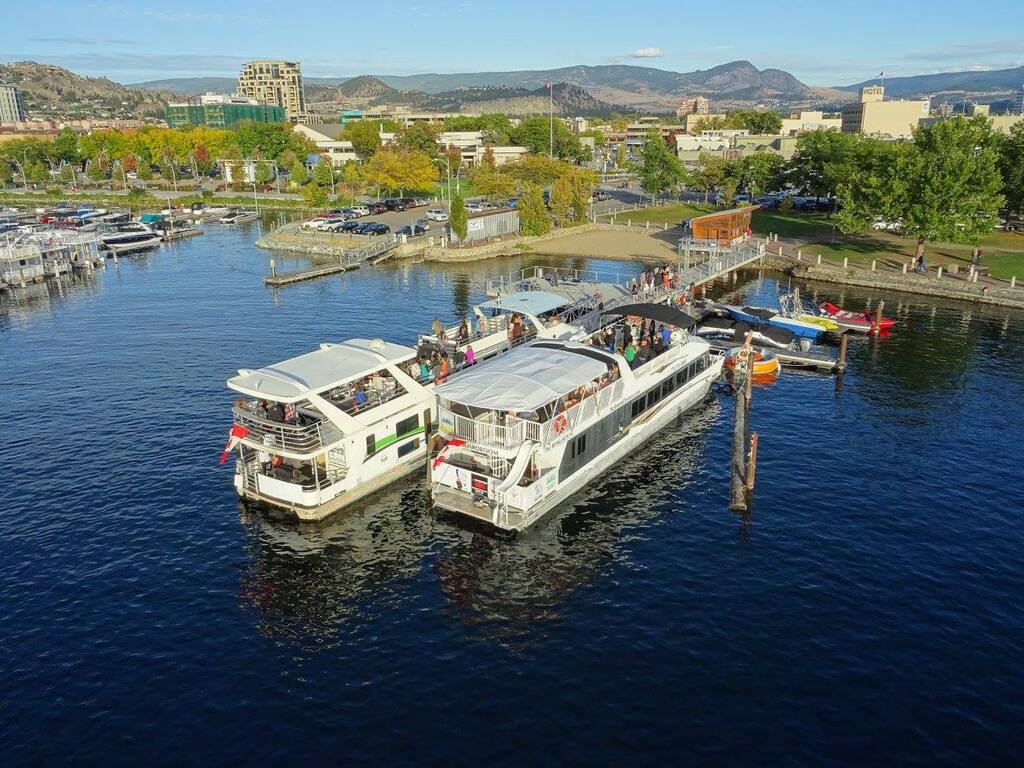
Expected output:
(551, 120)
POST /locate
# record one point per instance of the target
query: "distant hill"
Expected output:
(630, 87)
(50, 91)
(568, 100)
(999, 81)
(189, 86)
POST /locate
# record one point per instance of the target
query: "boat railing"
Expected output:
(294, 438)
(555, 430)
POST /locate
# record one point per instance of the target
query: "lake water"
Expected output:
(868, 611)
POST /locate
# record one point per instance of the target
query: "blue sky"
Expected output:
(822, 43)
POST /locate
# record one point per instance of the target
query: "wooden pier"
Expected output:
(180, 234)
(352, 259)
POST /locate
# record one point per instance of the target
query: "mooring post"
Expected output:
(877, 322)
(780, 250)
(904, 268)
(1013, 281)
(752, 465)
(844, 338)
(273, 268)
(873, 263)
(629, 223)
(799, 255)
(738, 501)
(819, 259)
(939, 273)
(846, 261)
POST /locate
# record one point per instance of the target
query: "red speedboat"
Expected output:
(852, 320)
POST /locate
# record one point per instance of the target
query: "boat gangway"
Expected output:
(350, 259)
(717, 262)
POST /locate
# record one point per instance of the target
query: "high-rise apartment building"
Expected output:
(11, 108)
(699, 105)
(275, 82)
(1018, 102)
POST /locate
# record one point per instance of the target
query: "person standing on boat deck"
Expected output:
(463, 331)
(359, 397)
(666, 335)
(444, 368)
(424, 370)
(275, 412)
(630, 354)
(470, 355)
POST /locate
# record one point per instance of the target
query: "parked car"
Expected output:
(421, 201)
(410, 231)
(881, 225)
(376, 228)
(601, 195)
(423, 223)
(360, 210)
(350, 225)
(392, 204)
(315, 223)
(475, 207)
(375, 209)
(337, 226)
(437, 214)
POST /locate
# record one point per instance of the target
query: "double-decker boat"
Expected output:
(528, 429)
(329, 427)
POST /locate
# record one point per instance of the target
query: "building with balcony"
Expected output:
(328, 141)
(699, 105)
(275, 82)
(814, 120)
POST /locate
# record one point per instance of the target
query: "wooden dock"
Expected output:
(352, 259)
(180, 234)
(812, 360)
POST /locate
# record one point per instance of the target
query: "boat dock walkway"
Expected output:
(352, 259)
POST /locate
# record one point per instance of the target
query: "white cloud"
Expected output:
(648, 53)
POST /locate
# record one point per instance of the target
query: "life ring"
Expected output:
(560, 423)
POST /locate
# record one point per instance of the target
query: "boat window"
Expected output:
(405, 426)
(371, 445)
(579, 446)
(409, 447)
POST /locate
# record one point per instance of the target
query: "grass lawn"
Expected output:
(803, 226)
(1005, 259)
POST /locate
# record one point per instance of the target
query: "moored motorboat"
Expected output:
(853, 320)
(765, 335)
(799, 326)
(239, 216)
(133, 236)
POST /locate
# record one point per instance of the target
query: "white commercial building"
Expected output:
(11, 108)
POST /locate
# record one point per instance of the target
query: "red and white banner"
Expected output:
(452, 443)
(234, 436)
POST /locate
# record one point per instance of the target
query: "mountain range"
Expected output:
(994, 81)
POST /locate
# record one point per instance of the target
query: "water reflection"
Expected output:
(318, 581)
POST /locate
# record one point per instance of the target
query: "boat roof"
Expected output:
(331, 365)
(527, 302)
(663, 313)
(524, 379)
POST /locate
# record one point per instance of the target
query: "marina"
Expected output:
(645, 546)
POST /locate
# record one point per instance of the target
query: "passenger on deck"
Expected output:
(666, 336)
(425, 370)
(438, 330)
(470, 355)
(630, 354)
(444, 368)
(463, 331)
(644, 353)
(359, 397)
(261, 409)
(275, 412)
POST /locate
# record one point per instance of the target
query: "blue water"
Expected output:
(867, 611)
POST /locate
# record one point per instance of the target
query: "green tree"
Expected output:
(597, 135)
(823, 161)
(419, 136)
(323, 173)
(6, 172)
(457, 218)
(492, 183)
(761, 172)
(314, 196)
(95, 171)
(1011, 166)
(67, 172)
(660, 170)
(757, 121)
(945, 186)
(270, 140)
(365, 135)
(264, 173)
(65, 147)
(298, 173)
(786, 204)
(561, 199)
(352, 180)
(582, 183)
(621, 155)
(535, 133)
(710, 172)
(533, 216)
(144, 172)
(535, 169)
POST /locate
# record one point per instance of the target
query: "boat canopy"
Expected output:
(663, 313)
(334, 364)
(527, 302)
(523, 380)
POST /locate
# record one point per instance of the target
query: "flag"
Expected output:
(234, 436)
(881, 74)
(549, 85)
(452, 442)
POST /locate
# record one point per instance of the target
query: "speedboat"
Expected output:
(133, 236)
(726, 328)
(239, 216)
(852, 320)
(800, 326)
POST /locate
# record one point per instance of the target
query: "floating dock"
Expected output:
(353, 259)
(812, 360)
(180, 234)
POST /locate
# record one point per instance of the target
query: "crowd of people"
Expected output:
(636, 340)
(282, 413)
(663, 278)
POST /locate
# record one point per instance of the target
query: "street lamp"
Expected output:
(174, 176)
(24, 178)
(120, 167)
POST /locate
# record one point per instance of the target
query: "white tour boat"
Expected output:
(527, 430)
(329, 427)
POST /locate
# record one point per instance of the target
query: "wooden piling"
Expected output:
(273, 268)
(877, 322)
(844, 339)
(752, 465)
(738, 492)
